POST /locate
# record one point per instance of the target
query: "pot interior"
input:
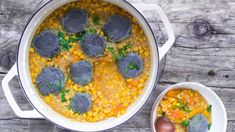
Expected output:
(33, 96)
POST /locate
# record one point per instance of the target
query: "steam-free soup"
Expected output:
(89, 60)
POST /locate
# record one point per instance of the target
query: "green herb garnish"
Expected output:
(59, 85)
(62, 96)
(69, 107)
(90, 31)
(185, 123)
(49, 85)
(182, 106)
(121, 52)
(63, 42)
(209, 108)
(124, 50)
(112, 51)
(60, 35)
(80, 36)
(209, 126)
(72, 40)
(132, 66)
(96, 19)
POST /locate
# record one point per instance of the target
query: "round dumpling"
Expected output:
(131, 65)
(81, 72)
(81, 103)
(93, 45)
(198, 123)
(117, 28)
(75, 21)
(50, 80)
(47, 44)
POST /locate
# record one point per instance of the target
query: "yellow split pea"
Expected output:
(110, 92)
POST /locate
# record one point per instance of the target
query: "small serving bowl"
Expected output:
(219, 115)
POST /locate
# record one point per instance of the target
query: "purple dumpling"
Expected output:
(75, 21)
(117, 28)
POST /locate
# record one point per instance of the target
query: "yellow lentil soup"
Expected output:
(180, 105)
(110, 92)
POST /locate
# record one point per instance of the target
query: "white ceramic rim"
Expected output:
(48, 112)
(219, 114)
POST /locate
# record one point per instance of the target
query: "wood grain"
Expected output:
(140, 121)
(203, 52)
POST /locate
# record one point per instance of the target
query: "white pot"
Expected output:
(42, 110)
(219, 114)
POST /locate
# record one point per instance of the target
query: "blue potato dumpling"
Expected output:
(50, 80)
(75, 21)
(81, 72)
(197, 123)
(93, 45)
(47, 44)
(117, 28)
(131, 65)
(81, 103)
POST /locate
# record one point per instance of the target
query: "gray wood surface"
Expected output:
(204, 52)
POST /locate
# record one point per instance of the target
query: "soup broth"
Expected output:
(111, 93)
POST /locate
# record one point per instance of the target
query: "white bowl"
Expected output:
(219, 115)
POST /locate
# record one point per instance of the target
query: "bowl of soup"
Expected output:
(188, 107)
(87, 65)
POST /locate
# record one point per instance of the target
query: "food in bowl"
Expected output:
(183, 110)
(89, 60)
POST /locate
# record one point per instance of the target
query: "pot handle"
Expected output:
(171, 37)
(5, 86)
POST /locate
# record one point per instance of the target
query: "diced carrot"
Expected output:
(176, 114)
(117, 109)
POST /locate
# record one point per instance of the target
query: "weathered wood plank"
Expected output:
(133, 125)
(225, 94)
(14, 15)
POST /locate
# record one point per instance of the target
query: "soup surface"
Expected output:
(83, 81)
(182, 107)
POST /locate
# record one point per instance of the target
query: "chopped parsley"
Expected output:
(62, 96)
(209, 126)
(185, 123)
(62, 91)
(59, 85)
(69, 107)
(133, 66)
(112, 51)
(121, 52)
(124, 50)
(63, 42)
(209, 108)
(49, 85)
(72, 40)
(182, 106)
(90, 31)
(96, 19)
(66, 43)
(80, 36)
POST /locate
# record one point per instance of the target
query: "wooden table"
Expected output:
(204, 52)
